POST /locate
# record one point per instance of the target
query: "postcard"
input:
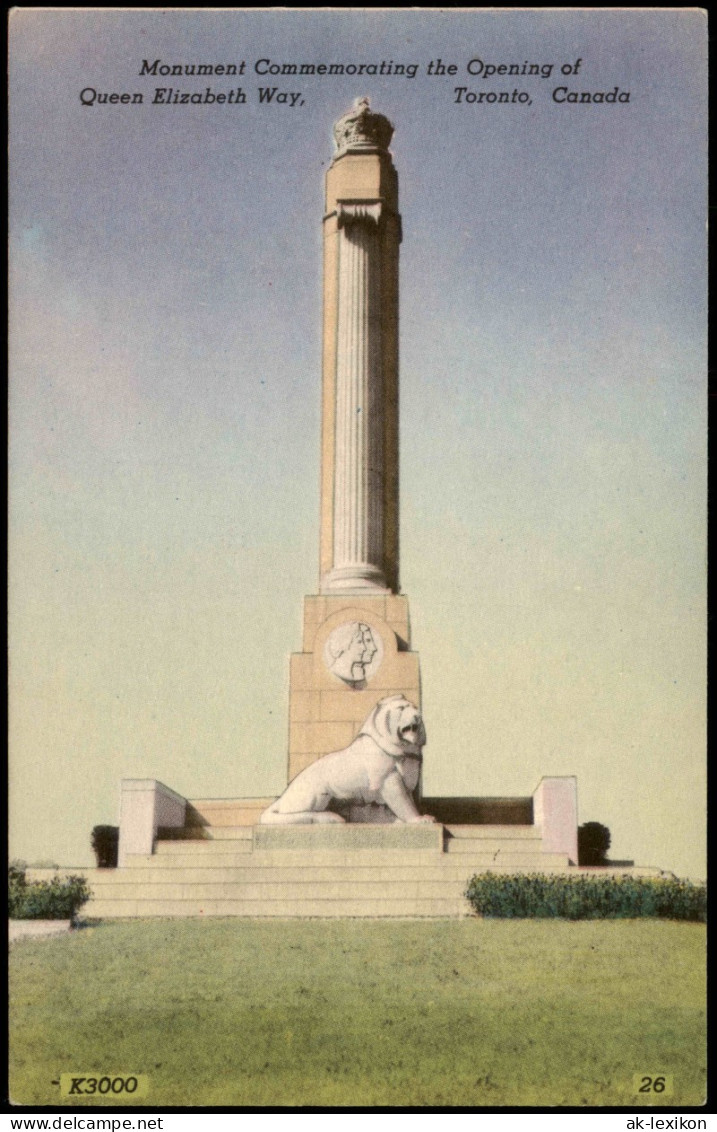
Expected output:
(357, 558)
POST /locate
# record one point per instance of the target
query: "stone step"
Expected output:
(514, 863)
(290, 908)
(244, 885)
(279, 889)
(105, 882)
(425, 837)
(180, 845)
(226, 854)
(298, 892)
(483, 846)
(474, 858)
(225, 857)
(107, 879)
(620, 870)
(230, 832)
(516, 856)
(493, 832)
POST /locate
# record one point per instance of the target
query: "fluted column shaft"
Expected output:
(358, 471)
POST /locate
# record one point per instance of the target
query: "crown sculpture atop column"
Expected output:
(361, 130)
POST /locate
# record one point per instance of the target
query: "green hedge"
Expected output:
(57, 899)
(586, 897)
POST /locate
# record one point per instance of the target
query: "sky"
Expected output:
(165, 405)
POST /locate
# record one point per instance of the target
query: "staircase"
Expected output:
(212, 857)
(305, 871)
(368, 871)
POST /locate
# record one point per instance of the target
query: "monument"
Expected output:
(356, 640)
(350, 835)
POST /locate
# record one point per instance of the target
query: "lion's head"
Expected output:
(396, 725)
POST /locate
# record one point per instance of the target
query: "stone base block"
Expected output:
(356, 651)
(145, 806)
(346, 838)
(555, 808)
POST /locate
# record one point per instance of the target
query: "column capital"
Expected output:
(349, 213)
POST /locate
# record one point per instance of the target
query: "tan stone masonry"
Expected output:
(325, 713)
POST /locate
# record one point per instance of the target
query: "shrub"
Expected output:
(57, 899)
(593, 843)
(586, 897)
(15, 886)
(105, 843)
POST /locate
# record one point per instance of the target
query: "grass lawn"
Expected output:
(356, 1012)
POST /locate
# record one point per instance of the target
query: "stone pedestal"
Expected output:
(145, 805)
(348, 838)
(356, 651)
(555, 810)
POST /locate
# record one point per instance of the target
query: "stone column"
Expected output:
(358, 468)
(356, 647)
(359, 531)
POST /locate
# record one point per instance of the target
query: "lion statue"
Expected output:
(382, 765)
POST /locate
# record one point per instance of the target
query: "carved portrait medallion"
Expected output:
(353, 652)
